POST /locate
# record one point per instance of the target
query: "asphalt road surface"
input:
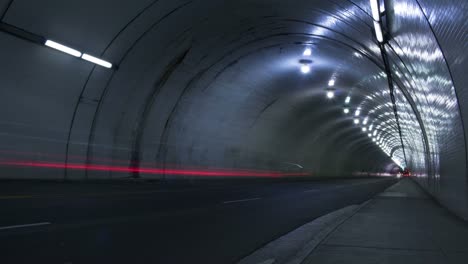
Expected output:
(153, 223)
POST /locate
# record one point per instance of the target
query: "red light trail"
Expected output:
(181, 172)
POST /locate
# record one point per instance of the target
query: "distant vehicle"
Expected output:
(406, 173)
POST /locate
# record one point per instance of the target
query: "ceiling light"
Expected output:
(378, 31)
(331, 82)
(358, 112)
(330, 94)
(369, 135)
(364, 129)
(375, 9)
(346, 110)
(382, 7)
(348, 99)
(307, 52)
(305, 68)
(356, 121)
(97, 61)
(375, 133)
(365, 121)
(62, 48)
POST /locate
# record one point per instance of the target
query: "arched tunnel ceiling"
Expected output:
(219, 84)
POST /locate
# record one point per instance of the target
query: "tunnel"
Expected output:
(154, 96)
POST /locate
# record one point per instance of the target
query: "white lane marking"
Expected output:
(268, 261)
(354, 184)
(21, 226)
(243, 200)
(340, 186)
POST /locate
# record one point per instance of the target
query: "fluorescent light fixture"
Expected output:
(62, 48)
(375, 9)
(331, 82)
(348, 99)
(346, 110)
(364, 129)
(365, 121)
(330, 94)
(358, 112)
(305, 68)
(356, 121)
(307, 52)
(97, 61)
(369, 135)
(378, 31)
(375, 133)
(370, 127)
(373, 139)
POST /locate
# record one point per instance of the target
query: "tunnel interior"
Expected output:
(262, 88)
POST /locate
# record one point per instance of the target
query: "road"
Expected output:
(150, 223)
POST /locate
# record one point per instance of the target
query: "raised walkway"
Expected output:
(401, 225)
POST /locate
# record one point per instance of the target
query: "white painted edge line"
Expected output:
(296, 245)
(341, 186)
(344, 215)
(325, 226)
(22, 226)
(242, 200)
(307, 249)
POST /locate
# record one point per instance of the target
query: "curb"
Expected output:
(297, 245)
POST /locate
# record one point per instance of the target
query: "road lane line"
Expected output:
(22, 226)
(311, 190)
(340, 186)
(355, 184)
(242, 200)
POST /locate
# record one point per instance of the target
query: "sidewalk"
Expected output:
(401, 225)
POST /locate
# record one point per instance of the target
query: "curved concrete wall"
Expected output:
(427, 45)
(210, 84)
